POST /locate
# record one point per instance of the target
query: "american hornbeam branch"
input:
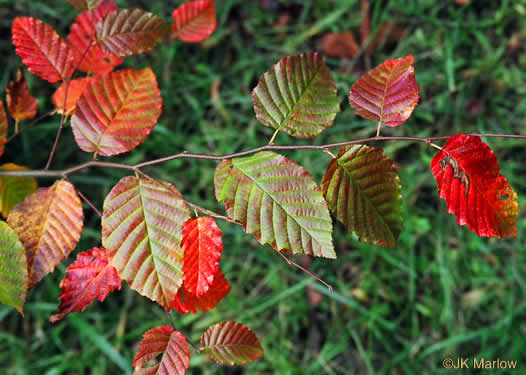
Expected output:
(188, 155)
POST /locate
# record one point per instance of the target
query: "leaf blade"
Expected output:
(14, 190)
(194, 21)
(75, 90)
(297, 96)
(363, 191)
(85, 4)
(21, 105)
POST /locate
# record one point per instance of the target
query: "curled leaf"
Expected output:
(469, 179)
(194, 21)
(127, 32)
(297, 96)
(13, 189)
(363, 191)
(388, 93)
(20, 103)
(231, 343)
(90, 277)
(13, 269)
(49, 224)
(170, 345)
(42, 50)
(277, 201)
(117, 111)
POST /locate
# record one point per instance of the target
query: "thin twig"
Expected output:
(170, 320)
(291, 262)
(89, 203)
(30, 125)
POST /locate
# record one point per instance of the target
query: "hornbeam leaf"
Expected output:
(231, 343)
(297, 96)
(75, 89)
(3, 128)
(363, 191)
(170, 345)
(142, 225)
(13, 269)
(127, 32)
(202, 245)
(82, 35)
(117, 111)
(85, 4)
(469, 179)
(277, 201)
(21, 105)
(49, 224)
(388, 93)
(42, 50)
(194, 21)
(13, 189)
(90, 277)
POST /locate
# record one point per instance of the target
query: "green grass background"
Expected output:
(443, 292)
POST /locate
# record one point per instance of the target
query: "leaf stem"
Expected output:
(170, 320)
(16, 127)
(271, 142)
(378, 128)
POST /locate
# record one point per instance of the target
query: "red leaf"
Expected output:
(3, 128)
(42, 50)
(83, 32)
(170, 344)
(75, 90)
(388, 93)
(202, 246)
(218, 290)
(117, 111)
(91, 276)
(194, 21)
(469, 179)
(21, 105)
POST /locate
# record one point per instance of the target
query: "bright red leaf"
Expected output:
(388, 93)
(21, 105)
(42, 50)
(202, 246)
(170, 345)
(75, 90)
(469, 179)
(91, 276)
(194, 21)
(218, 290)
(81, 35)
(231, 343)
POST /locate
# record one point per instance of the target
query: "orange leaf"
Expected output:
(202, 246)
(218, 290)
(20, 103)
(3, 128)
(75, 90)
(194, 21)
(49, 224)
(117, 111)
(82, 33)
(469, 179)
(339, 44)
(90, 277)
(42, 50)
(388, 93)
(170, 345)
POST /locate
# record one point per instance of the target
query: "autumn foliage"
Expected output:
(150, 237)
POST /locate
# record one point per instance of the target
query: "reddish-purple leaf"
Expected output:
(42, 50)
(202, 245)
(194, 21)
(170, 345)
(3, 128)
(49, 224)
(82, 34)
(117, 111)
(90, 277)
(218, 290)
(128, 32)
(75, 90)
(469, 179)
(21, 105)
(388, 93)
(231, 343)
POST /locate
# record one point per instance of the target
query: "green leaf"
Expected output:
(277, 201)
(363, 190)
(297, 96)
(142, 226)
(14, 278)
(13, 190)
